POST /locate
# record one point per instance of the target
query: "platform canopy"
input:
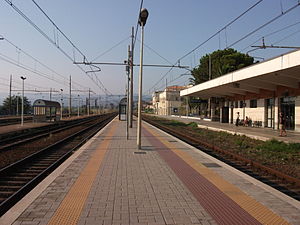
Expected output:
(283, 71)
(45, 103)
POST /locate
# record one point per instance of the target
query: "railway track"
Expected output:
(17, 179)
(14, 120)
(13, 139)
(270, 176)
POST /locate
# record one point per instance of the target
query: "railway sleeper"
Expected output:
(12, 182)
(5, 194)
(17, 178)
(32, 174)
(9, 188)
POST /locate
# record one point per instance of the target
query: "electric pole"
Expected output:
(10, 81)
(131, 79)
(70, 98)
(89, 103)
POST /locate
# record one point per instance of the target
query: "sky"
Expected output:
(101, 31)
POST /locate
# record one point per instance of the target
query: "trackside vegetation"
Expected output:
(279, 155)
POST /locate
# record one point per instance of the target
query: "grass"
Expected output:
(280, 155)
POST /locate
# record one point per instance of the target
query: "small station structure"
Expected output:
(122, 109)
(46, 111)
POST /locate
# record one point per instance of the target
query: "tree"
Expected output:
(16, 105)
(222, 62)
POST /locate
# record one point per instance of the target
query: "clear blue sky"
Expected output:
(173, 29)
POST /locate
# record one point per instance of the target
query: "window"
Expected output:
(253, 103)
(241, 104)
(236, 104)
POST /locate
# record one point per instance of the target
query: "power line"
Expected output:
(265, 24)
(204, 42)
(15, 63)
(219, 31)
(147, 46)
(55, 43)
(269, 34)
(286, 37)
(116, 45)
(74, 46)
(36, 60)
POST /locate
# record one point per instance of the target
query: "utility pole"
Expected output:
(10, 81)
(70, 98)
(209, 78)
(127, 95)
(17, 113)
(22, 113)
(61, 104)
(89, 102)
(50, 94)
(131, 79)
(78, 105)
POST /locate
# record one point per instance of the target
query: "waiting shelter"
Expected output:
(44, 110)
(122, 109)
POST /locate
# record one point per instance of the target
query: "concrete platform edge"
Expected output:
(11, 215)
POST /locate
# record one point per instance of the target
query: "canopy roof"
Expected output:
(268, 75)
(45, 103)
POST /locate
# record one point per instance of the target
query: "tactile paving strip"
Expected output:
(71, 207)
(225, 202)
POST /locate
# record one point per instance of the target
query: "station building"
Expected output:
(168, 101)
(260, 92)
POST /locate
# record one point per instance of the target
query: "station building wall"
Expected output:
(297, 114)
(260, 112)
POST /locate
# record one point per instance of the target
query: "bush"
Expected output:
(192, 124)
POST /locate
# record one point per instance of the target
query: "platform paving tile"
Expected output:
(139, 189)
(42, 209)
(267, 198)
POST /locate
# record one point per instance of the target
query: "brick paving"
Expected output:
(140, 188)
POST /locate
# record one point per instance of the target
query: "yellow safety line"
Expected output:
(71, 207)
(249, 204)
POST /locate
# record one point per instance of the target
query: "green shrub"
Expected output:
(192, 124)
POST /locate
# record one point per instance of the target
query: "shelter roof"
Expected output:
(283, 70)
(46, 103)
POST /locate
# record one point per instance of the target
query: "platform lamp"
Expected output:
(142, 22)
(22, 111)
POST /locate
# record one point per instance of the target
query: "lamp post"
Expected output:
(22, 113)
(61, 104)
(142, 22)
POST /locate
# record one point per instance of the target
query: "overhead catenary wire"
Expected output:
(54, 42)
(219, 31)
(208, 39)
(36, 60)
(269, 34)
(155, 52)
(74, 46)
(108, 50)
(20, 65)
(286, 37)
(265, 24)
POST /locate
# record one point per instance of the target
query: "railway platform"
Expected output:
(252, 132)
(109, 181)
(29, 125)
